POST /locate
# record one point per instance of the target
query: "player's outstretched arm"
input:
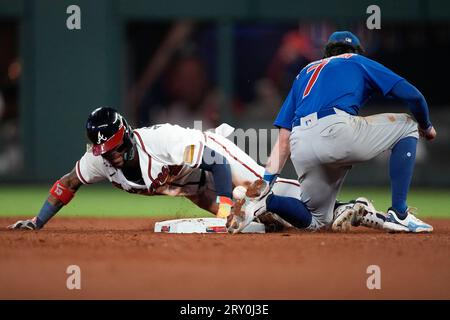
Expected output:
(277, 159)
(416, 102)
(278, 156)
(60, 194)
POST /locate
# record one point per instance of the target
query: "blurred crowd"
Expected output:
(173, 68)
(172, 71)
(11, 156)
(177, 80)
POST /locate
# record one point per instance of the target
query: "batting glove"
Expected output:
(23, 225)
(225, 205)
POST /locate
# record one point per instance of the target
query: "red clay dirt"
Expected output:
(124, 259)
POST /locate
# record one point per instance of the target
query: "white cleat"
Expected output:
(360, 212)
(253, 209)
(367, 203)
(256, 196)
(410, 224)
(343, 216)
(366, 215)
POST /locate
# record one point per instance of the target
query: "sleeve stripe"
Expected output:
(199, 156)
(78, 171)
(149, 157)
(293, 182)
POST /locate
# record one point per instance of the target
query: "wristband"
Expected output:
(225, 205)
(270, 177)
(61, 192)
(224, 200)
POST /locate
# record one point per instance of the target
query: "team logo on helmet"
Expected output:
(107, 130)
(100, 138)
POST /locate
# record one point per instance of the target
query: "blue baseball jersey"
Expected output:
(345, 82)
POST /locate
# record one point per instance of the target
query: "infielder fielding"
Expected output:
(321, 130)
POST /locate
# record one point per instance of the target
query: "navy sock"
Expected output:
(290, 209)
(401, 166)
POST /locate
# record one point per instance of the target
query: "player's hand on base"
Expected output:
(23, 225)
(428, 134)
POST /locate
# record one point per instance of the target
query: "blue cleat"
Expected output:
(409, 224)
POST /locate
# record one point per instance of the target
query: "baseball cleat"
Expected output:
(409, 224)
(256, 196)
(359, 212)
(366, 215)
(343, 215)
(367, 206)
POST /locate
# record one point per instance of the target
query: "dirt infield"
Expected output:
(124, 259)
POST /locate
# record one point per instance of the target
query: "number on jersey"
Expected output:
(317, 68)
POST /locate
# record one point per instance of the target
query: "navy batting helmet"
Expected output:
(107, 129)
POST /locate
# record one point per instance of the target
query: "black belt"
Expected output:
(320, 114)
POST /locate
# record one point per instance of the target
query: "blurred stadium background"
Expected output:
(178, 61)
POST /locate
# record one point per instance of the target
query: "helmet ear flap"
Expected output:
(128, 129)
(128, 140)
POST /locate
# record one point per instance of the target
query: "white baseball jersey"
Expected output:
(169, 157)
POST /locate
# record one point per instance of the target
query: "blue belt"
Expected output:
(320, 114)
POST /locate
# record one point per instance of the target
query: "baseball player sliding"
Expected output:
(159, 160)
(320, 130)
(163, 160)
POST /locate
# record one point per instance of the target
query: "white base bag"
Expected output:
(203, 225)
